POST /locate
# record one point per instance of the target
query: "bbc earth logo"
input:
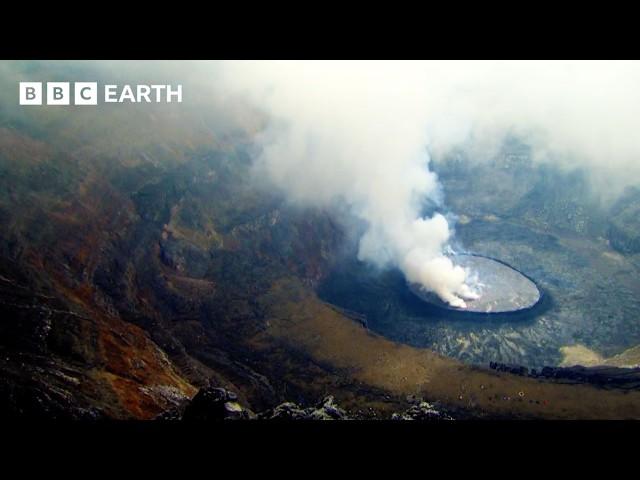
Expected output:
(86, 93)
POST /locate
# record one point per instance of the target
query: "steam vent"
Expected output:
(502, 288)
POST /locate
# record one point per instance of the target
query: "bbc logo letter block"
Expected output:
(58, 93)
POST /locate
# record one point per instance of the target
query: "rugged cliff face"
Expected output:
(133, 245)
(110, 265)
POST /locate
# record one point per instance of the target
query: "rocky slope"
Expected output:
(132, 248)
(216, 403)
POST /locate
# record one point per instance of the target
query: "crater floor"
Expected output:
(591, 297)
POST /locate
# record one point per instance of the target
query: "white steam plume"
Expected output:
(356, 132)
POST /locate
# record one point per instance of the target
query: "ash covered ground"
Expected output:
(546, 224)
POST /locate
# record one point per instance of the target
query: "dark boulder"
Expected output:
(213, 403)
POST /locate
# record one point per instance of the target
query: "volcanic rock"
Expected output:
(214, 403)
(325, 410)
(421, 411)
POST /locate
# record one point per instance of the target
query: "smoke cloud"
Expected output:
(361, 133)
(355, 133)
